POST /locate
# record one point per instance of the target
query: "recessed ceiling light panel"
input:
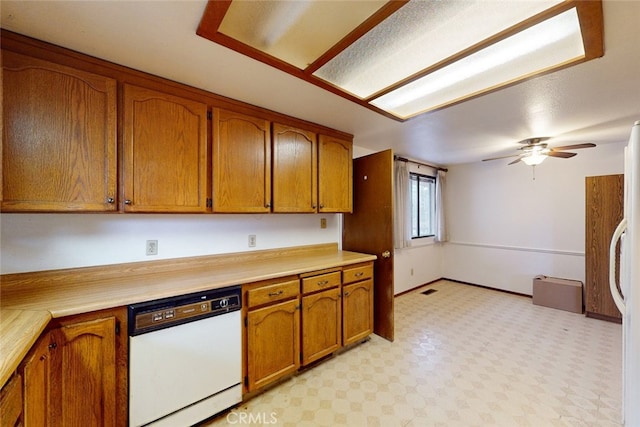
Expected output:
(541, 47)
(420, 34)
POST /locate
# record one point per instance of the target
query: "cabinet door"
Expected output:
(83, 374)
(58, 138)
(241, 163)
(36, 371)
(11, 402)
(357, 303)
(295, 169)
(165, 152)
(335, 180)
(273, 343)
(321, 324)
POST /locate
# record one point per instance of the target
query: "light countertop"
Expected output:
(28, 301)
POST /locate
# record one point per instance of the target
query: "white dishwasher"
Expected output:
(185, 358)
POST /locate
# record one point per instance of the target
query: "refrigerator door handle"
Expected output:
(615, 293)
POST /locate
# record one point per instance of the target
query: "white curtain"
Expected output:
(402, 206)
(441, 229)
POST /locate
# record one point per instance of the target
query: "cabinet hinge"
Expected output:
(246, 322)
(209, 115)
(246, 381)
(117, 328)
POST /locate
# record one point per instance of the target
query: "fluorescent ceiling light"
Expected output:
(402, 58)
(545, 45)
(420, 34)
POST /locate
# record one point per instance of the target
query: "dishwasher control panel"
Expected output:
(159, 314)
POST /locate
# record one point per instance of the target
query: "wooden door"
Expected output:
(604, 210)
(241, 163)
(36, 371)
(165, 152)
(321, 324)
(58, 139)
(335, 188)
(357, 309)
(369, 229)
(295, 171)
(273, 343)
(83, 374)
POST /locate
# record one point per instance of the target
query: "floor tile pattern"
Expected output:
(462, 356)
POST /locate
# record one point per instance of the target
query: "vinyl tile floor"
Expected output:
(462, 356)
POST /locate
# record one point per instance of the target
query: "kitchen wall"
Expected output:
(34, 242)
(505, 227)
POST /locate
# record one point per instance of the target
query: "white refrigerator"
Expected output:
(626, 294)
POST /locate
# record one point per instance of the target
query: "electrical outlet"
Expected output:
(252, 240)
(323, 222)
(152, 247)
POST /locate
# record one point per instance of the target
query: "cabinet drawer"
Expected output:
(355, 274)
(320, 282)
(272, 293)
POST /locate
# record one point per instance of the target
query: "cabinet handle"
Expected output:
(323, 282)
(321, 206)
(111, 200)
(275, 294)
(127, 202)
(43, 357)
(360, 273)
(346, 294)
(267, 205)
(53, 346)
(314, 206)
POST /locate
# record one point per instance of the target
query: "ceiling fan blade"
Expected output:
(515, 161)
(574, 147)
(501, 157)
(561, 154)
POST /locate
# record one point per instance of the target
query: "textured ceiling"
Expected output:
(597, 101)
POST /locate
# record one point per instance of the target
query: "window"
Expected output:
(423, 205)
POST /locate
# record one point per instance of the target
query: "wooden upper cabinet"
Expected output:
(165, 152)
(58, 139)
(241, 163)
(295, 185)
(335, 176)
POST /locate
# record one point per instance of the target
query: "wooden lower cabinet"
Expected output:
(321, 324)
(273, 343)
(297, 320)
(357, 308)
(76, 374)
(11, 402)
(357, 302)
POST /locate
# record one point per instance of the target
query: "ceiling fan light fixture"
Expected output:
(534, 159)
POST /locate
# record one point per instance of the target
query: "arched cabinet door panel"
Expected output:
(241, 163)
(59, 146)
(165, 152)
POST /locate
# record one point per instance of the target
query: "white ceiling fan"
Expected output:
(535, 151)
